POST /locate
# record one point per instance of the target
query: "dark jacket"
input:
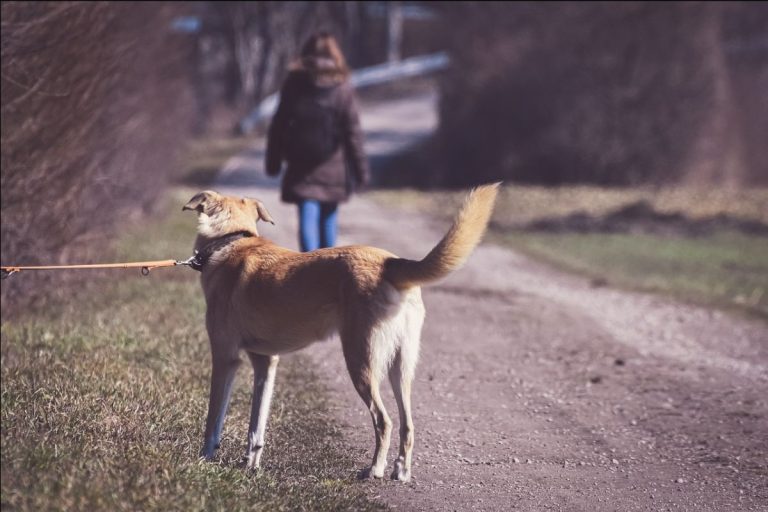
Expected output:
(333, 178)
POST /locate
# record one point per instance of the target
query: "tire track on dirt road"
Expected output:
(537, 391)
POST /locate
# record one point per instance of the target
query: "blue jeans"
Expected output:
(317, 224)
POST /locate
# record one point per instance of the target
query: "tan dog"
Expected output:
(268, 300)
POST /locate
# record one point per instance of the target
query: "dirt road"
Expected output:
(537, 391)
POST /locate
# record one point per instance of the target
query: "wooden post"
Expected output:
(394, 31)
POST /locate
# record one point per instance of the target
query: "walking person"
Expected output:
(316, 131)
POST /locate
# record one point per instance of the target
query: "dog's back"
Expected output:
(287, 300)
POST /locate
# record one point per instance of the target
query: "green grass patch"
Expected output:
(205, 156)
(104, 397)
(724, 268)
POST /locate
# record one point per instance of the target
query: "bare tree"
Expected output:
(259, 39)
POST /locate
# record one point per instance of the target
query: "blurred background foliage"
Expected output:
(610, 93)
(95, 104)
(99, 98)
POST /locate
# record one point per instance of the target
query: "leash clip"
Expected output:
(193, 261)
(8, 272)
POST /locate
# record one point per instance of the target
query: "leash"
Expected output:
(145, 266)
(196, 262)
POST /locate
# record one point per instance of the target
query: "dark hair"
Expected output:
(322, 45)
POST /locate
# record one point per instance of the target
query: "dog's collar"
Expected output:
(202, 256)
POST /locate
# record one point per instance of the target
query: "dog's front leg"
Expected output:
(264, 370)
(222, 376)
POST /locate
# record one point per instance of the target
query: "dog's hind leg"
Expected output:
(222, 377)
(401, 376)
(366, 377)
(382, 426)
(264, 370)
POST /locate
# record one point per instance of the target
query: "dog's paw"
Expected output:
(207, 455)
(370, 473)
(401, 473)
(249, 464)
(208, 451)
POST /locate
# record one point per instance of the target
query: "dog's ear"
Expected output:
(263, 213)
(204, 202)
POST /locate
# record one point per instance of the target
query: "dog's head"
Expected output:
(220, 215)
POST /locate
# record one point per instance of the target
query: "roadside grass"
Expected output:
(104, 397)
(519, 204)
(724, 269)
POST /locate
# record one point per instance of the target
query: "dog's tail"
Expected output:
(453, 250)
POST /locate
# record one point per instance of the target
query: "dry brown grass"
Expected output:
(519, 204)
